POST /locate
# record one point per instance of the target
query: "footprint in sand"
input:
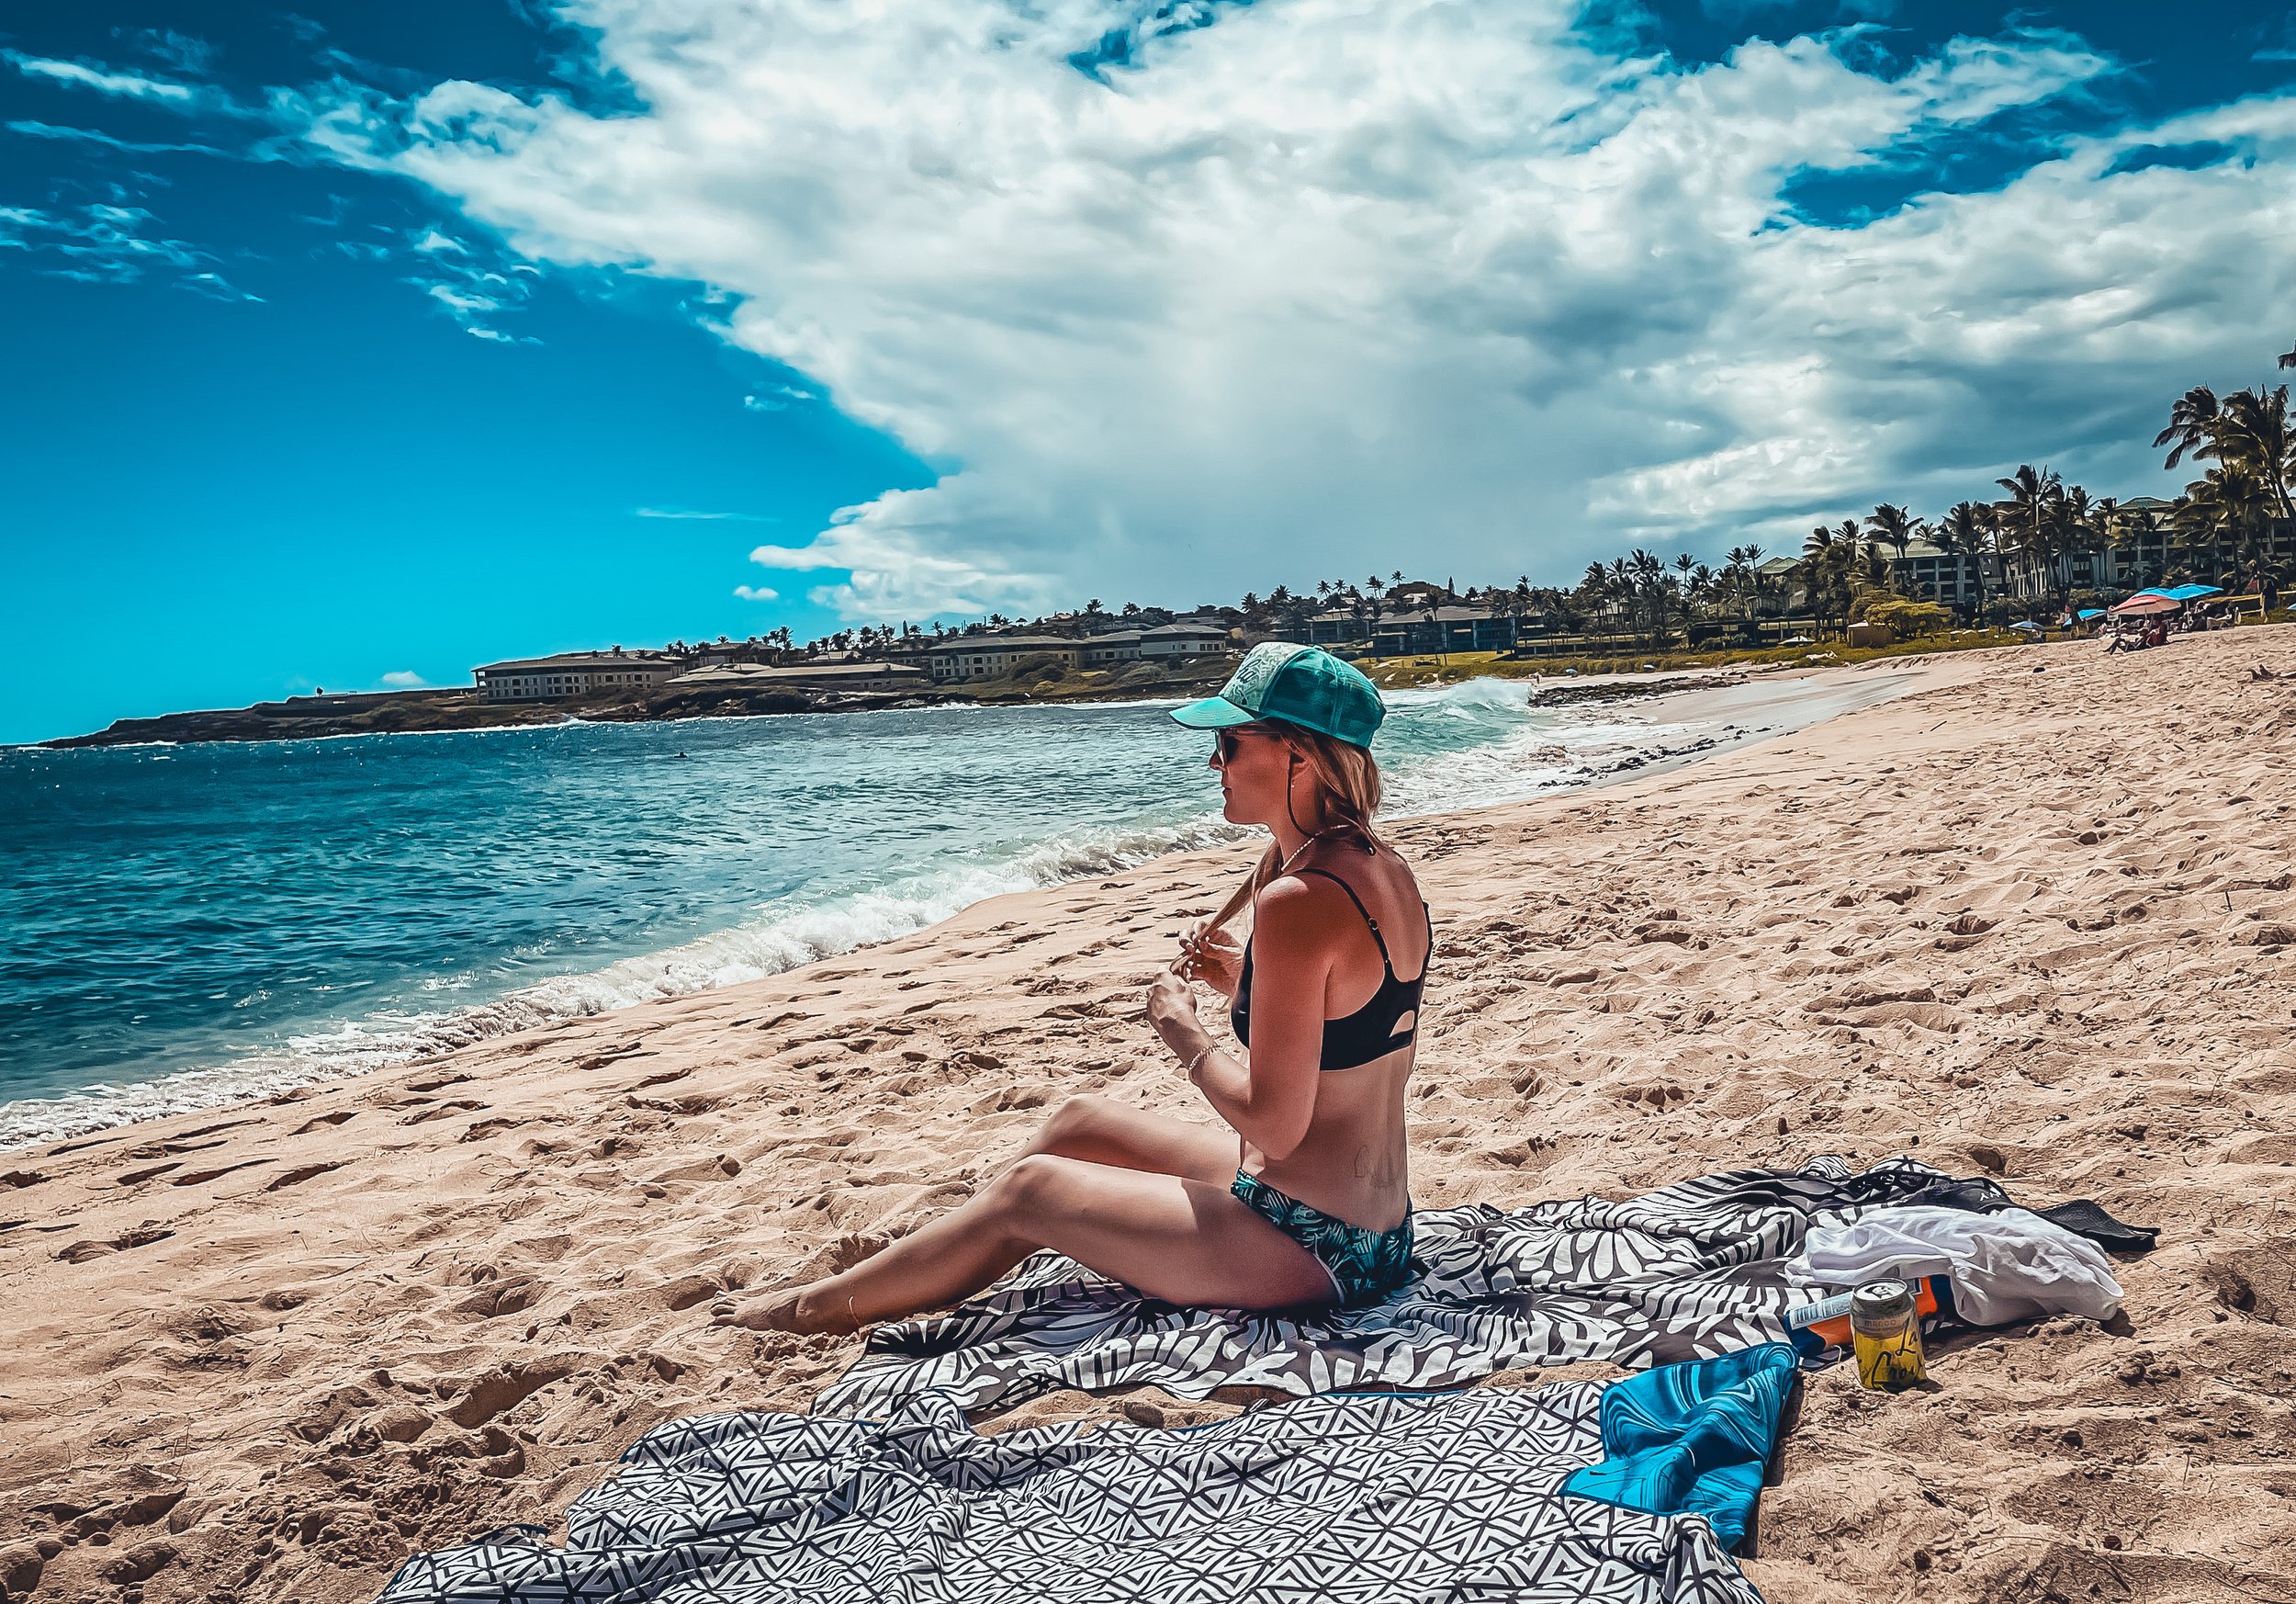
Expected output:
(302, 1174)
(142, 1236)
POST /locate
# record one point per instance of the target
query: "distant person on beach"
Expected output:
(1300, 1193)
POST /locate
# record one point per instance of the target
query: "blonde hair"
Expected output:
(1346, 785)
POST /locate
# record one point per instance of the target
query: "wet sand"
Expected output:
(2036, 925)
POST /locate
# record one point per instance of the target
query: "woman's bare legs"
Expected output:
(1094, 1185)
(1185, 1241)
(1101, 1129)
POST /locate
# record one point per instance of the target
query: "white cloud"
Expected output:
(757, 593)
(776, 399)
(89, 136)
(215, 287)
(692, 513)
(403, 680)
(471, 290)
(110, 244)
(1326, 288)
(78, 76)
(181, 51)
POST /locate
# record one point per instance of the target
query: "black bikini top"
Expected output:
(1368, 1033)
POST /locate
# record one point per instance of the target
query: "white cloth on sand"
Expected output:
(2006, 1265)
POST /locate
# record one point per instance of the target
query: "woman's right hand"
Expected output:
(1211, 955)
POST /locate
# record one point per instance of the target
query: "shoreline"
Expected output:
(365, 1044)
(459, 711)
(272, 1351)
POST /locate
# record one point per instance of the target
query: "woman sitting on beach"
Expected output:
(1302, 1195)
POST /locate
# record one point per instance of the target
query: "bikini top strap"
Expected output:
(1334, 879)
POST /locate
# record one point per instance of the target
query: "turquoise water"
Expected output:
(193, 925)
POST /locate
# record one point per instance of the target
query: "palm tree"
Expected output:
(2252, 432)
(2074, 530)
(1742, 580)
(1895, 526)
(1625, 596)
(1962, 536)
(2138, 530)
(1650, 587)
(2191, 422)
(2228, 508)
(2028, 517)
(1593, 595)
(1828, 556)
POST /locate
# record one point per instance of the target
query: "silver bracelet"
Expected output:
(1207, 1049)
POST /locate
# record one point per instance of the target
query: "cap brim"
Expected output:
(1213, 712)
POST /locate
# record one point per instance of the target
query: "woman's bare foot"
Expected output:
(788, 1308)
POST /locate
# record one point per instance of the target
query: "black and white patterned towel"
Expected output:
(1362, 1500)
(1687, 1272)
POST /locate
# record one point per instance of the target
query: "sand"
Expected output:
(2032, 919)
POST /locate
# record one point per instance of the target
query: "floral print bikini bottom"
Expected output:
(1365, 1265)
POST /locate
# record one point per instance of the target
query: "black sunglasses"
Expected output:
(1224, 743)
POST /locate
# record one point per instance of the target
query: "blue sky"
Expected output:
(358, 342)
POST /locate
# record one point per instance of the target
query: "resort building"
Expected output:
(2142, 539)
(575, 673)
(991, 656)
(1427, 630)
(1419, 631)
(821, 676)
(1116, 645)
(1931, 575)
(1166, 641)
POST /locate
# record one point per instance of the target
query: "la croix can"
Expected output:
(1886, 1330)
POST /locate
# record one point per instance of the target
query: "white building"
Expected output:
(991, 656)
(575, 673)
(826, 676)
(1170, 641)
(1116, 645)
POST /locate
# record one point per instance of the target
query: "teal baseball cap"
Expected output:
(1299, 684)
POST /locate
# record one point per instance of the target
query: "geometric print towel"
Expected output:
(1687, 1272)
(1357, 1499)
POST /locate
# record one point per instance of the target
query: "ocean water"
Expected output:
(187, 926)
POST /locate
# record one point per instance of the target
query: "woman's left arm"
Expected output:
(1269, 1092)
